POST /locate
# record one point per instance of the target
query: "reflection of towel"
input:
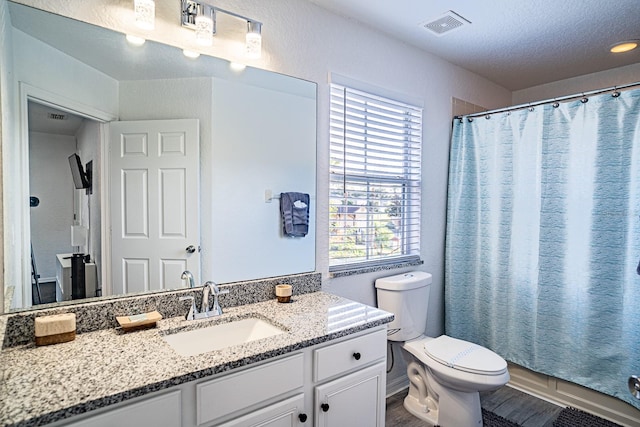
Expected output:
(294, 208)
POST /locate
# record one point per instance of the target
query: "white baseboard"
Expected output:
(564, 393)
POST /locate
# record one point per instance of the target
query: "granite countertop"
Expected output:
(40, 385)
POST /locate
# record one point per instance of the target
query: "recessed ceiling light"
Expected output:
(237, 66)
(625, 46)
(190, 54)
(135, 40)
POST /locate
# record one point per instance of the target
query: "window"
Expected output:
(374, 200)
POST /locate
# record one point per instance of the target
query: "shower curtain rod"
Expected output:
(548, 101)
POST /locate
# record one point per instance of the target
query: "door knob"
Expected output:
(190, 249)
(356, 356)
(324, 407)
(302, 418)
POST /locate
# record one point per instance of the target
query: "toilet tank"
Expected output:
(407, 297)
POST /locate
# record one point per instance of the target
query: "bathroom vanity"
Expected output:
(326, 368)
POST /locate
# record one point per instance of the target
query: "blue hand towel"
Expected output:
(294, 208)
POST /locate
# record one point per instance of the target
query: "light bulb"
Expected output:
(204, 30)
(145, 13)
(205, 25)
(254, 40)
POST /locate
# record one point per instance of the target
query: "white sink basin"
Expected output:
(216, 337)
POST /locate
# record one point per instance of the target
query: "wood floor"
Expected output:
(509, 403)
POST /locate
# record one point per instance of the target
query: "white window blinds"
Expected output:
(374, 201)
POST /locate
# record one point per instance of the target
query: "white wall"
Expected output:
(263, 139)
(305, 41)
(50, 181)
(576, 85)
(65, 76)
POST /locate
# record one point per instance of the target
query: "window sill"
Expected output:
(374, 268)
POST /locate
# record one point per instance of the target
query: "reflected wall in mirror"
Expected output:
(254, 133)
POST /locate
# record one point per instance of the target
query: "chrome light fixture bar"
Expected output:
(201, 17)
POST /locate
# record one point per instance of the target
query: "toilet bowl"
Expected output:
(445, 374)
(445, 378)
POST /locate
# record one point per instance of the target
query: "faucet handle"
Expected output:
(192, 310)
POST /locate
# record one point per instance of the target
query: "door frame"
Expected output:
(41, 96)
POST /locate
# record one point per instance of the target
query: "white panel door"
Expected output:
(155, 230)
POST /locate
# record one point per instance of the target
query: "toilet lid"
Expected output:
(465, 356)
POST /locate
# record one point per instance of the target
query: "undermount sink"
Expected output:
(219, 336)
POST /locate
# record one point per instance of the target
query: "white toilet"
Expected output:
(445, 374)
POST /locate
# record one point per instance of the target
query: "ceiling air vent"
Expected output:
(57, 116)
(444, 24)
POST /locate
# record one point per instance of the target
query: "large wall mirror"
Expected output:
(119, 150)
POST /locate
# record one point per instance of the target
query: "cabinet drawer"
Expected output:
(350, 354)
(231, 393)
(160, 411)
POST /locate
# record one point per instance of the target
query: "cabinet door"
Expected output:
(355, 400)
(288, 413)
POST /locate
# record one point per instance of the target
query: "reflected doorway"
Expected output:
(64, 219)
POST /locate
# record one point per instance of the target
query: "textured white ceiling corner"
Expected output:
(514, 43)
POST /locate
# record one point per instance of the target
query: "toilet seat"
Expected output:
(464, 356)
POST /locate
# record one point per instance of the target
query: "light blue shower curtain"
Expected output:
(543, 239)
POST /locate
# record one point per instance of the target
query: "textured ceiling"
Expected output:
(514, 43)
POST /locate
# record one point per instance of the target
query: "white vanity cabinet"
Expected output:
(338, 383)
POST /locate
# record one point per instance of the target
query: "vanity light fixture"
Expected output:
(624, 46)
(145, 13)
(135, 40)
(201, 17)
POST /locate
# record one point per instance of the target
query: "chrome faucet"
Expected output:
(216, 310)
(186, 275)
(193, 310)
